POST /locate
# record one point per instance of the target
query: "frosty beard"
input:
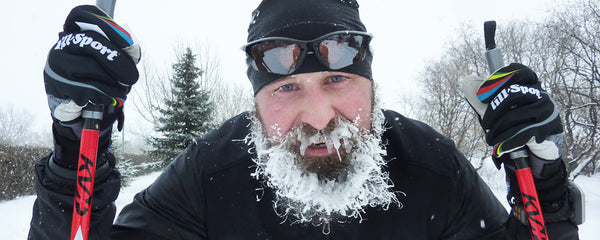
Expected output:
(321, 190)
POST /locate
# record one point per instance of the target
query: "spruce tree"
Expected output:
(187, 114)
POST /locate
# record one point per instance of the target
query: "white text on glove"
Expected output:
(83, 40)
(514, 88)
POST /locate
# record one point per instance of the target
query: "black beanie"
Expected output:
(304, 20)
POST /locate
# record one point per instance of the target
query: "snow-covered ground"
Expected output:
(15, 214)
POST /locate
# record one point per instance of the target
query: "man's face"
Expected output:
(314, 99)
(309, 103)
(318, 146)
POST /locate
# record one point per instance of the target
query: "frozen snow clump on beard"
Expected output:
(302, 195)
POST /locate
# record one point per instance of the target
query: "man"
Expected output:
(316, 159)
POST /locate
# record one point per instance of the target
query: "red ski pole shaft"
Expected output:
(531, 203)
(86, 169)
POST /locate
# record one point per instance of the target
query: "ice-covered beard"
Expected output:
(321, 190)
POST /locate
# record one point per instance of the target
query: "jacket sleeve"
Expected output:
(55, 188)
(171, 208)
(475, 212)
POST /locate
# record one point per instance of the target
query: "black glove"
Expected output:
(94, 61)
(515, 113)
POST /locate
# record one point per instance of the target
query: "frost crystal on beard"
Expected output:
(302, 196)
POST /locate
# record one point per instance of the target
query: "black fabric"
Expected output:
(304, 20)
(52, 210)
(556, 230)
(281, 17)
(86, 66)
(518, 110)
(94, 15)
(551, 189)
(441, 193)
(208, 193)
(66, 146)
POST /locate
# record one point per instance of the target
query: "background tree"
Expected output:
(188, 114)
(148, 95)
(14, 125)
(16, 129)
(20, 148)
(228, 98)
(443, 107)
(574, 38)
(564, 50)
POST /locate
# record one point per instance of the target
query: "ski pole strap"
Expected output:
(564, 214)
(519, 213)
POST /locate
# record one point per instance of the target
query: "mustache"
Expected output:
(337, 135)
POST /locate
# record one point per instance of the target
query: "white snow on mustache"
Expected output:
(301, 196)
(332, 140)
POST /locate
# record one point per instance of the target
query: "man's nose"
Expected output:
(318, 109)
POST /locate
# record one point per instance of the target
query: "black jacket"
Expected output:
(208, 193)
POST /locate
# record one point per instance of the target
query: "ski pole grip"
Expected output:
(493, 55)
(108, 6)
(525, 180)
(489, 32)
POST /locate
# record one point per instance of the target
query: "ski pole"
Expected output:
(529, 195)
(88, 149)
(86, 169)
(108, 6)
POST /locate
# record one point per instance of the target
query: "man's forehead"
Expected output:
(305, 76)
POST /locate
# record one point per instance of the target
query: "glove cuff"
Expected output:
(66, 147)
(551, 187)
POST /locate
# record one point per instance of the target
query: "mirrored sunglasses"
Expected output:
(335, 50)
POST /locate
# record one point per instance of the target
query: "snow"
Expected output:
(138, 184)
(16, 214)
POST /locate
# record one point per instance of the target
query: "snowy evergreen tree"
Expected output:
(187, 114)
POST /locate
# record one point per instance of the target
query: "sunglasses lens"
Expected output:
(336, 50)
(279, 57)
(339, 51)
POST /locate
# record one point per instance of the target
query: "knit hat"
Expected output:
(304, 20)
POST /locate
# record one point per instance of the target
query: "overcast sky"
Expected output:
(406, 34)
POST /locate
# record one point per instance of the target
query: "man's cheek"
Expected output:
(360, 118)
(274, 131)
